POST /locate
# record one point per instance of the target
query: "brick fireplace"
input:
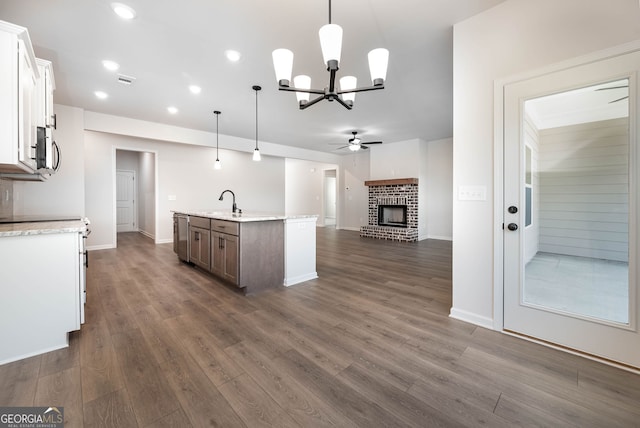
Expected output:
(393, 210)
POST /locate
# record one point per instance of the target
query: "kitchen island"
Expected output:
(42, 286)
(252, 251)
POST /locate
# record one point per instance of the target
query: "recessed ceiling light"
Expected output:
(101, 95)
(110, 65)
(195, 89)
(172, 110)
(233, 56)
(123, 11)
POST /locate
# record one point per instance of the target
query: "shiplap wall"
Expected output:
(584, 190)
(532, 232)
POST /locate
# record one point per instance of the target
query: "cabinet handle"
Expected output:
(197, 236)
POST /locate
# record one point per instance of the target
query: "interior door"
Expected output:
(570, 209)
(125, 201)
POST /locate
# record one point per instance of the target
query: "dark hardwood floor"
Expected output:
(367, 344)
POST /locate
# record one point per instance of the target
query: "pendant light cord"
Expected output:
(256, 88)
(329, 11)
(217, 113)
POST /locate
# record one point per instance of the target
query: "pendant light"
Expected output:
(256, 151)
(217, 165)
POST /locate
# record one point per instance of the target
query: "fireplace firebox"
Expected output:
(392, 215)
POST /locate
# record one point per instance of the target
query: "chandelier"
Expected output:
(331, 44)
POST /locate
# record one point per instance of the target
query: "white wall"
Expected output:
(439, 188)
(304, 187)
(353, 195)
(63, 193)
(184, 172)
(511, 38)
(147, 194)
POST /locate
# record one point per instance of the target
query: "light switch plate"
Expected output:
(472, 193)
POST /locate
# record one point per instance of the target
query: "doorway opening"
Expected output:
(135, 192)
(330, 197)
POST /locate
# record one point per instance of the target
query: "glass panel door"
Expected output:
(570, 208)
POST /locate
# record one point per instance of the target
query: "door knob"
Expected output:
(512, 226)
(512, 209)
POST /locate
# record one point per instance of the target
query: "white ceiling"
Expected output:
(603, 101)
(173, 44)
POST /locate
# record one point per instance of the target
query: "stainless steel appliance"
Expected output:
(181, 236)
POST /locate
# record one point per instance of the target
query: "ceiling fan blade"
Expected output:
(363, 147)
(343, 147)
(612, 87)
(372, 142)
(619, 99)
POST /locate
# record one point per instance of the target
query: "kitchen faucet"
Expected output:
(234, 208)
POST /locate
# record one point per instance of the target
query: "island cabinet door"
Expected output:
(200, 247)
(231, 259)
(224, 260)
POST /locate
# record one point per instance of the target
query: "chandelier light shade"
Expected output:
(348, 83)
(378, 62)
(283, 64)
(217, 165)
(331, 44)
(302, 82)
(256, 151)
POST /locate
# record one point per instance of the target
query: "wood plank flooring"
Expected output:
(369, 343)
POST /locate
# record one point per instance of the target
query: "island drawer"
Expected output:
(201, 222)
(229, 227)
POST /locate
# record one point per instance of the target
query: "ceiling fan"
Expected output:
(615, 87)
(356, 143)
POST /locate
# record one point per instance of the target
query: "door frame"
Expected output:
(498, 172)
(156, 202)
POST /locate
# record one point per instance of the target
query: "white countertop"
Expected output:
(244, 217)
(42, 227)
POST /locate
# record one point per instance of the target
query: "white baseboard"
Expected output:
(100, 247)
(471, 318)
(164, 241)
(300, 278)
(441, 238)
(354, 229)
(147, 234)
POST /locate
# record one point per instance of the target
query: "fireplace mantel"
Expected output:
(391, 182)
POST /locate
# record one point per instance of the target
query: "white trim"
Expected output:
(471, 318)
(354, 229)
(147, 234)
(164, 241)
(300, 278)
(573, 352)
(440, 238)
(100, 247)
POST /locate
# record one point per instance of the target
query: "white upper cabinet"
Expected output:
(18, 80)
(44, 95)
